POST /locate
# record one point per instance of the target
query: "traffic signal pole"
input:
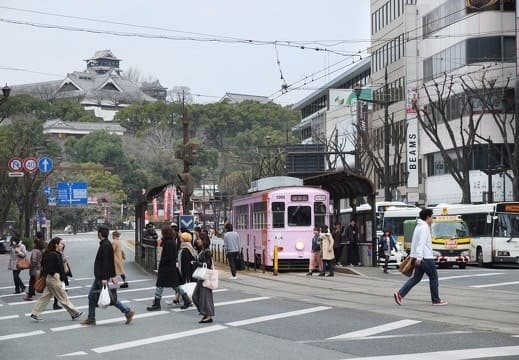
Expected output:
(186, 176)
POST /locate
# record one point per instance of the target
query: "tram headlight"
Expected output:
(300, 245)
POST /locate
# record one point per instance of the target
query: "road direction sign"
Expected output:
(47, 190)
(15, 164)
(30, 164)
(187, 222)
(72, 193)
(52, 200)
(45, 164)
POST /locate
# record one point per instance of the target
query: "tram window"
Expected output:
(278, 214)
(299, 216)
(319, 208)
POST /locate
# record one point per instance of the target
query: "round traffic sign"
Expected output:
(15, 164)
(30, 164)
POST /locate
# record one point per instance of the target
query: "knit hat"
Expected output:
(187, 237)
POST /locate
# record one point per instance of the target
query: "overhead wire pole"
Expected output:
(187, 155)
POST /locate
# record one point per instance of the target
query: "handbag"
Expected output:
(39, 285)
(212, 279)
(407, 266)
(200, 272)
(23, 263)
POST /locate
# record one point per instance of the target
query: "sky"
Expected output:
(202, 44)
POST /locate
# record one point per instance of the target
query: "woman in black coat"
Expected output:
(168, 275)
(202, 296)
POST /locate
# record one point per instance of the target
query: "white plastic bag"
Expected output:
(189, 287)
(104, 298)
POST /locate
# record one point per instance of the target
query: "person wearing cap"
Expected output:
(119, 257)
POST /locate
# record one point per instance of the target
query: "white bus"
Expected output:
(494, 229)
(363, 212)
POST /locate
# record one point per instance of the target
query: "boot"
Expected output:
(187, 301)
(155, 306)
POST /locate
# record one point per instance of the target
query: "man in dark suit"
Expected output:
(104, 270)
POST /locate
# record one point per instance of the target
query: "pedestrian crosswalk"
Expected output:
(246, 316)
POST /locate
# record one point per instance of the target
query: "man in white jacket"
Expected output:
(421, 251)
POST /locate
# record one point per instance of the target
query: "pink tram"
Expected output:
(284, 216)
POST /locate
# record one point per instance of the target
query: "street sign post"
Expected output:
(72, 193)
(187, 222)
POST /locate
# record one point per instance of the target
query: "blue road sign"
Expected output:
(72, 193)
(187, 222)
(47, 190)
(45, 164)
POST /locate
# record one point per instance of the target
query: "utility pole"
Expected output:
(387, 191)
(187, 154)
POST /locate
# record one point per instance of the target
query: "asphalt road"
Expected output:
(289, 316)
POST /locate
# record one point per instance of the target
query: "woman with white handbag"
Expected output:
(203, 296)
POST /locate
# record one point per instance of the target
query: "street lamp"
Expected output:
(385, 103)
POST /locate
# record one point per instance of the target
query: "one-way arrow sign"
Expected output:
(45, 164)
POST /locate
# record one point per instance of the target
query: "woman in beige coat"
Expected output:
(327, 251)
(119, 257)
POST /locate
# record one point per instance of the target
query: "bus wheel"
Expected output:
(479, 257)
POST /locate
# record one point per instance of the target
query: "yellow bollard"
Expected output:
(275, 261)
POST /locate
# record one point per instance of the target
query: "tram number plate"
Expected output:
(451, 244)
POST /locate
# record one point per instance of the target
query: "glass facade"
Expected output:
(453, 11)
(470, 51)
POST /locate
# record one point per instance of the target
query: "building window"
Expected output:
(470, 51)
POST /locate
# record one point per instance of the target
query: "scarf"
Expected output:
(189, 247)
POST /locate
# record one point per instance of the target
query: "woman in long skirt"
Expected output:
(202, 296)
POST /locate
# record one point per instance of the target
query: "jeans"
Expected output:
(178, 290)
(232, 258)
(18, 283)
(96, 287)
(426, 267)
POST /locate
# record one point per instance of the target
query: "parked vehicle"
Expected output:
(5, 243)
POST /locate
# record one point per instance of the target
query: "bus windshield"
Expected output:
(507, 225)
(449, 230)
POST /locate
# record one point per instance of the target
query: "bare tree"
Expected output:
(449, 121)
(180, 94)
(497, 100)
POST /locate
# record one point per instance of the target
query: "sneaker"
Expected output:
(398, 298)
(233, 278)
(309, 273)
(88, 321)
(36, 318)
(440, 303)
(77, 316)
(124, 285)
(129, 316)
